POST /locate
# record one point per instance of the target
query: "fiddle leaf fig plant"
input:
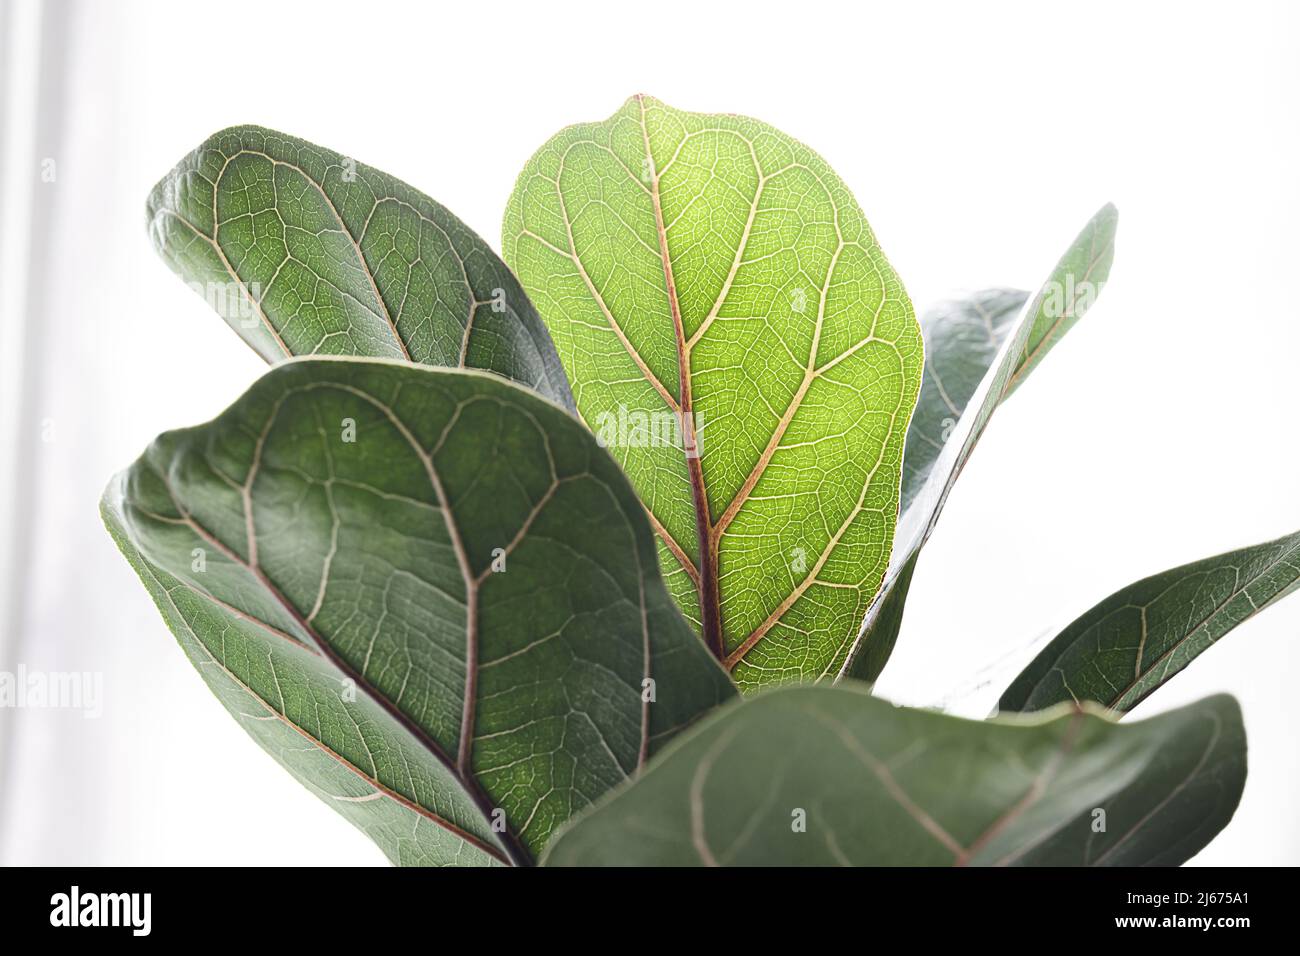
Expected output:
(588, 555)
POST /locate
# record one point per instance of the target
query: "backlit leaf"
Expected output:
(736, 337)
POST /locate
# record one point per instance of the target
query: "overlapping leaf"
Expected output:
(428, 593)
(952, 365)
(833, 776)
(962, 338)
(304, 251)
(1142, 635)
(737, 338)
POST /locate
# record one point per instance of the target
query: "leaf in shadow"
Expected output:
(1071, 289)
(818, 776)
(428, 593)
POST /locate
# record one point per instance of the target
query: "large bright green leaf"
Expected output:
(831, 775)
(953, 414)
(304, 252)
(428, 593)
(736, 337)
(1142, 635)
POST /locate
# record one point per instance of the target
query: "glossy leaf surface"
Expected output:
(428, 593)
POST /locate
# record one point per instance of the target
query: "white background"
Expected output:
(978, 139)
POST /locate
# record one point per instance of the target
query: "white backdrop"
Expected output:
(977, 140)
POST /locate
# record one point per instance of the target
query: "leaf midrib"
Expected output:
(707, 587)
(711, 533)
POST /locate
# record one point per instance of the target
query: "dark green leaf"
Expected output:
(428, 593)
(1072, 287)
(1142, 635)
(307, 252)
(962, 338)
(832, 775)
